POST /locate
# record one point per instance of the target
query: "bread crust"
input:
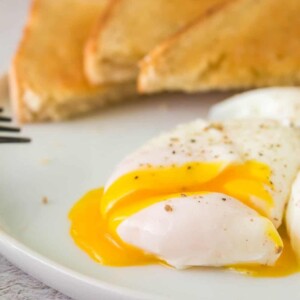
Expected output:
(15, 85)
(47, 80)
(122, 38)
(92, 45)
(237, 45)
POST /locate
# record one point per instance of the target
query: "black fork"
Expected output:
(4, 128)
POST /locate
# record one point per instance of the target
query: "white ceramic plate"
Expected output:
(64, 161)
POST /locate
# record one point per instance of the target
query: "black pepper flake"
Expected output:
(189, 167)
(260, 154)
(224, 199)
(136, 177)
(173, 152)
(193, 141)
(168, 208)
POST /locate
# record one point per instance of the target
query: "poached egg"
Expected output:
(204, 194)
(282, 104)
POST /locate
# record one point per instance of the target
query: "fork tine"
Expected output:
(9, 129)
(5, 119)
(14, 140)
(10, 139)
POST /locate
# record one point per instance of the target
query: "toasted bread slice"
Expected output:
(242, 44)
(4, 93)
(47, 80)
(130, 29)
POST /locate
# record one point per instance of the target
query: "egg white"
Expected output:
(193, 233)
(205, 230)
(293, 216)
(280, 103)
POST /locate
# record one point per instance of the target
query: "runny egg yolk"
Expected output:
(93, 228)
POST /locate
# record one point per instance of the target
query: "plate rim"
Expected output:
(12, 243)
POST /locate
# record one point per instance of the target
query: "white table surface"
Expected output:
(15, 284)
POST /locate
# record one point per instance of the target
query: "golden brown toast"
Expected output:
(4, 93)
(47, 81)
(242, 44)
(129, 29)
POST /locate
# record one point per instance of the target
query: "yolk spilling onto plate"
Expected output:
(96, 216)
(89, 231)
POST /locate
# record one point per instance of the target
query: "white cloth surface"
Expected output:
(17, 285)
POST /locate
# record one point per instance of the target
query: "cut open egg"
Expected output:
(204, 194)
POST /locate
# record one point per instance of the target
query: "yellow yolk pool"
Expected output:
(94, 229)
(90, 233)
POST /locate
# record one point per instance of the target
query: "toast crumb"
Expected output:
(45, 200)
(45, 161)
